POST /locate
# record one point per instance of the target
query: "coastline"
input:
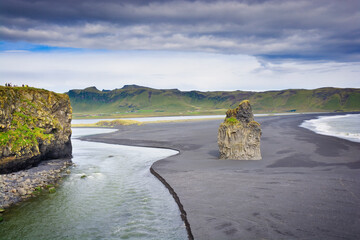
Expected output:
(321, 125)
(231, 199)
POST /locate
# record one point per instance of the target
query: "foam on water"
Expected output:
(341, 126)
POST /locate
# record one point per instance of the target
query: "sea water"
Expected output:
(109, 194)
(342, 126)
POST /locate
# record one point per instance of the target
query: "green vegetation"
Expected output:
(137, 101)
(231, 120)
(23, 134)
(37, 191)
(52, 190)
(25, 121)
(49, 186)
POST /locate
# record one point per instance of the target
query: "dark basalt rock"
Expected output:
(239, 135)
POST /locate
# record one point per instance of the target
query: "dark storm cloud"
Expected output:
(322, 29)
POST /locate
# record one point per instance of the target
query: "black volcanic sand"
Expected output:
(306, 187)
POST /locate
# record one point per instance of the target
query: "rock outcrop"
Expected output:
(35, 125)
(239, 135)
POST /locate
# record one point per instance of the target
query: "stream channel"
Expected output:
(118, 199)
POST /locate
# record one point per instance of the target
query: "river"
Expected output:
(118, 199)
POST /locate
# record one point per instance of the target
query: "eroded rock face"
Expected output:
(239, 135)
(35, 124)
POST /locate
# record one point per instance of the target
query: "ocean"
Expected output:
(341, 126)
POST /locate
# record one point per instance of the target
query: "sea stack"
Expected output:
(35, 125)
(239, 135)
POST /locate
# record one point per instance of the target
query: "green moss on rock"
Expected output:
(52, 190)
(35, 124)
(231, 120)
(49, 186)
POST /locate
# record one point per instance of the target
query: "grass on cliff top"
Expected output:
(23, 88)
(11, 93)
(20, 90)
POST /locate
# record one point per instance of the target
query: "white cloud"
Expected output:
(187, 71)
(322, 29)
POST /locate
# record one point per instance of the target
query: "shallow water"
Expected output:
(170, 118)
(118, 199)
(342, 126)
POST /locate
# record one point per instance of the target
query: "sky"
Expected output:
(205, 45)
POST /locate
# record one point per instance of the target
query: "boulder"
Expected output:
(239, 134)
(22, 191)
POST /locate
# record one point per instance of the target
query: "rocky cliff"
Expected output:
(239, 135)
(35, 125)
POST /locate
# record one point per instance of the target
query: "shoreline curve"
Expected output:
(183, 214)
(227, 199)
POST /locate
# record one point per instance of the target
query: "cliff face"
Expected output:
(35, 125)
(239, 135)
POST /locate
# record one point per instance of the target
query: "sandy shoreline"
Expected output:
(306, 187)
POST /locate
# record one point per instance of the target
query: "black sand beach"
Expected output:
(306, 187)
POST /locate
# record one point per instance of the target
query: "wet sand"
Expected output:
(306, 187)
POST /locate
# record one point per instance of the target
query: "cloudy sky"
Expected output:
(204, 45)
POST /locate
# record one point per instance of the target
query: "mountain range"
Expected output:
(137, 100)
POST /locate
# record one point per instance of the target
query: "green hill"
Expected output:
(136, 100)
